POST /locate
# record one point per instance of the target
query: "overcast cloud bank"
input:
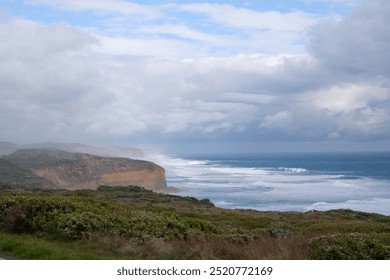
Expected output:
(237, 75)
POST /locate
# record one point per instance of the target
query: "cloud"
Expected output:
(40, 80)
(356, 110)
(244, 18)
(358, 44)
(265, 31)
(185, 32)
(42, 40)
(346, 98)
(280, 120)
(352, 54)
(61, 82)
(66, 87)
(107, 6)
(226, 30)
(339, 2)
(150, 47)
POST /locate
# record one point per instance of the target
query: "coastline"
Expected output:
(284, 181)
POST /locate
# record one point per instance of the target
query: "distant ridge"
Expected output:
(7, 148)
(88, 149)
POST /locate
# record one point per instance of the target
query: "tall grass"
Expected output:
(30, 247)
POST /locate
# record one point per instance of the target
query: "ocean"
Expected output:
(284, 181)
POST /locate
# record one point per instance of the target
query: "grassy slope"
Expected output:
(132, 223)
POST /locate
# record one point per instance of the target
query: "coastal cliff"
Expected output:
(83, 171)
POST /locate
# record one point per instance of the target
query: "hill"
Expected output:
(13, 174)
(88, 149)
(81, 171)
(7, 148)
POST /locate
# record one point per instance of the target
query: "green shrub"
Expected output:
(144, 225)
(279, 229)
(71, 217)
(78, 217)
(348, 247)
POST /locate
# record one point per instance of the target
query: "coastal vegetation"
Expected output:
(134, 223)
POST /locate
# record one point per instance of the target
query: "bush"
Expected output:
(279, 229)
(348, 247)
(75, 217)
(71, 217)
(144, 225)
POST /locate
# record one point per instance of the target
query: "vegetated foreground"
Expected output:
(134, 223)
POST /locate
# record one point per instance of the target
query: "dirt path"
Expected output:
(7, 257)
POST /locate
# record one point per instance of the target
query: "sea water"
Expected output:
(284, 181)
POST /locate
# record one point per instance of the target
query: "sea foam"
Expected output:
(274, 188)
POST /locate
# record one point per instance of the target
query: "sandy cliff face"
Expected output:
(91, 172)
(83, 171)
(153, 180)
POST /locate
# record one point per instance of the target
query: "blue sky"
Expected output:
(183, 76)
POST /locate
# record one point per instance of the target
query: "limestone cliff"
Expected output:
(84, 171)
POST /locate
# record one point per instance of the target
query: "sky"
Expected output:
(197, 76)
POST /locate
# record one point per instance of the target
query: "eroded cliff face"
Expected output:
(83, 171)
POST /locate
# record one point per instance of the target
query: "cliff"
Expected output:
(83, 171)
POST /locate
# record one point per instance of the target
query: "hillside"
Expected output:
(133, 223)
(82, 171)
(11, 173)
(88, 149)
(7, 148)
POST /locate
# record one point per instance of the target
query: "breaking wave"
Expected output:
(274, 188)
(297, 170)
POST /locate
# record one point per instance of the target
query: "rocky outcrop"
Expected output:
(84, 171)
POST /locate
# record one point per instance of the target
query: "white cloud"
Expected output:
(250, 98)
(351, 3)
(184, 32)
(230, 30)
(346, 98)
(354, 110)
(279, 121)
(60, 81)
(255, 31)
(152, 47)
(108, 6)
(358, 44)
(35, 41)
(334, 135)
(232, 16)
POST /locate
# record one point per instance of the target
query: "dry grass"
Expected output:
(263, 247)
